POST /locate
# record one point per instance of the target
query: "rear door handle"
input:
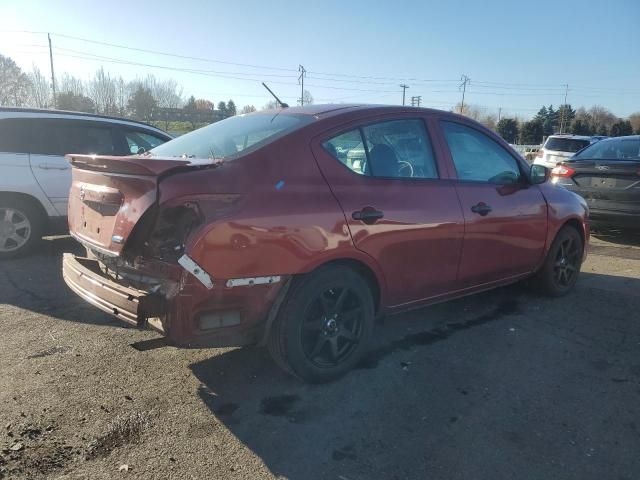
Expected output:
(481, 209)
(367, 215)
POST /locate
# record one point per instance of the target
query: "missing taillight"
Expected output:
(172, 227)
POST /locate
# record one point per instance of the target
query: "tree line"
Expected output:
(596, 120)
(106, 94)
(103, 94)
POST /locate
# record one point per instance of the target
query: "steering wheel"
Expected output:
(403, 165)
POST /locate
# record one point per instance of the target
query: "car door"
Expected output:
(400, 207)
(53, 139)
(505, 216)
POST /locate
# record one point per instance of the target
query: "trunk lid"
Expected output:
(607, 184)
(110, 194)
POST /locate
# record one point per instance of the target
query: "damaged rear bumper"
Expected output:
(186, 310)
(84, 277)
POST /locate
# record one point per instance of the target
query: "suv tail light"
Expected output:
(562, 171)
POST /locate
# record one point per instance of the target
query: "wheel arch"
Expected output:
(371, 274)
(31, 200)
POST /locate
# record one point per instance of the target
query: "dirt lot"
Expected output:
(505, 384)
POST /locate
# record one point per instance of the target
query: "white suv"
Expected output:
(34, 176)
(558, 148)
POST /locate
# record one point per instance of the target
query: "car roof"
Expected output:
(43, 113)
(323, 111)
(571, 136)
(624, 137)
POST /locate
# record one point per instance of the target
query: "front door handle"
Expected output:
(481, 209)
(49, 166)
(367, 215)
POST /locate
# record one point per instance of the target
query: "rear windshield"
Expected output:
(565, 144)
(233, 137)
(612, 149)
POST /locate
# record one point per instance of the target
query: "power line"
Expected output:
(175, 55)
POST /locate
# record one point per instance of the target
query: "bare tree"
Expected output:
(102, 90)
(70, 84)
(601, 119)
(166, 93)
(40, 91)
(14, 84)
(248, 109)
(634, 118)
(123, 93)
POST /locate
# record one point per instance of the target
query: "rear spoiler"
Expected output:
(133, 164)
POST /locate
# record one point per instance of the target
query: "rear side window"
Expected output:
(233, 137)
(14, 135)
(54, 137)
(565, 144)
(614, 149)
(140, 142)
(479, 158)
(393, 149)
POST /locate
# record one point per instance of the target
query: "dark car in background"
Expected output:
(607, 175)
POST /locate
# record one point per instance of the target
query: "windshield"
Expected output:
(565, 144)
(233, 137)
(612, 149)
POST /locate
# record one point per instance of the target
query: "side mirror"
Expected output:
(539, 174)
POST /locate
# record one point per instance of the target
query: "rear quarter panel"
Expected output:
(279, 215)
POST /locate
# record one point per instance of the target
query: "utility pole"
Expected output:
(463, 85)
(499, 114)
(416, 101)
(564, 107)
(53, 77)
(404, 89)
(303, 72)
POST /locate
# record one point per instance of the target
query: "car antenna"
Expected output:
(283, 105)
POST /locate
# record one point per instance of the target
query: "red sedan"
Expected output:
(296, 228)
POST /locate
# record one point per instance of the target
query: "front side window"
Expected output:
(395, 149)
(479, 158)
(140, 142)
(233, 137)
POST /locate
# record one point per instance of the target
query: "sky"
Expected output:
(518, 55)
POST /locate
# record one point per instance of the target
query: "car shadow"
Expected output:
(35, 283)
(428, 400)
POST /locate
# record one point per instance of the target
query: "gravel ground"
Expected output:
(504, 384)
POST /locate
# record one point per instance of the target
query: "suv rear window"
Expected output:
(60, 137)
(565, 144)
(233, 137)
(14, 135)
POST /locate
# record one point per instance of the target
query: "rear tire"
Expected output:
(324, 325)
(560, 271)
(21, 227)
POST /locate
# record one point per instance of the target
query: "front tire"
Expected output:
(20, 227)
(560, 271)
(324, 325)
